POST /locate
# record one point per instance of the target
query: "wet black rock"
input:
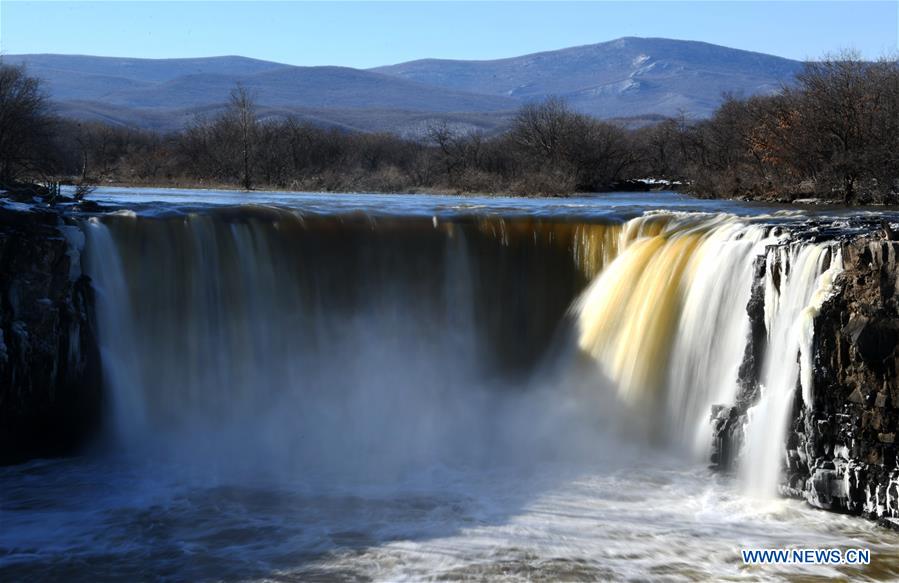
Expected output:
(727, 431)
(49, 363)
(854, 414)
(728, 421)
(841, 448)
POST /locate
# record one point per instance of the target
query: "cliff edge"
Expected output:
(50, 395)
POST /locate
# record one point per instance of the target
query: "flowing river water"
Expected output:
(353, 387)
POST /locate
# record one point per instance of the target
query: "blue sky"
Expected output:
(367, 34)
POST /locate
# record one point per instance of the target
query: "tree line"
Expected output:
(831, 134)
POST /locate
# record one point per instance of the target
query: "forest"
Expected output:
(833, 134)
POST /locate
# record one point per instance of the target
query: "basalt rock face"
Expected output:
(842, 450)
(49, 363)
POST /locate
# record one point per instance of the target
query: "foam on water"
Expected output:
(639, 515)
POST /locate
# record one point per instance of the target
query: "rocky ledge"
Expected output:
(50, 391)
(841, 451)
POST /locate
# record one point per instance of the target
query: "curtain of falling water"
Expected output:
(667, 322)
(263, 336)
(713, 330)
(798, 278)
(268, 326)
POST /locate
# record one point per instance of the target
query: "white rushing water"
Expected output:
(667, 323)
(661, 323)
(711, 336)
(302, 400)
(622, 514)
(797, 280)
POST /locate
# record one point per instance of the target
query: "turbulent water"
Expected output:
(377, 387)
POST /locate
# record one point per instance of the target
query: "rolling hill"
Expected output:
(625, 77)
(628, 77)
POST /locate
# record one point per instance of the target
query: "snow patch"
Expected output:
(614, 88)
(640, 60)
(658, 181)
(15, 206)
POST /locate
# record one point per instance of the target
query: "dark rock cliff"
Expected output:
(49, 364)
(841, 450)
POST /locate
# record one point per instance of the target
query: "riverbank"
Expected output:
(638, 185)
(804, 199)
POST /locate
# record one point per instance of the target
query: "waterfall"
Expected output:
(798, 278)
(713, 329)
(119, 354)
(226, 332)
(270, 339)
(667, 322)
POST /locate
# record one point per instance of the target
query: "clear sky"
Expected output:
(367, 34)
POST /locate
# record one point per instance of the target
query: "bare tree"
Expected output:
(242, 111)
(835, 131)
(25, 126)
(541, 128)
(457, 150)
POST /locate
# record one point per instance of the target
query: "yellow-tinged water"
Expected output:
(629, 315)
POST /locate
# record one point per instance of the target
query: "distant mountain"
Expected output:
(81, 77)
(629, 77)
(143, 70)
(181, 83)
(625, 77)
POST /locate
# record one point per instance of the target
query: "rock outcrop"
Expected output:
(50, 395)
(841, 449)
(728, 421)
